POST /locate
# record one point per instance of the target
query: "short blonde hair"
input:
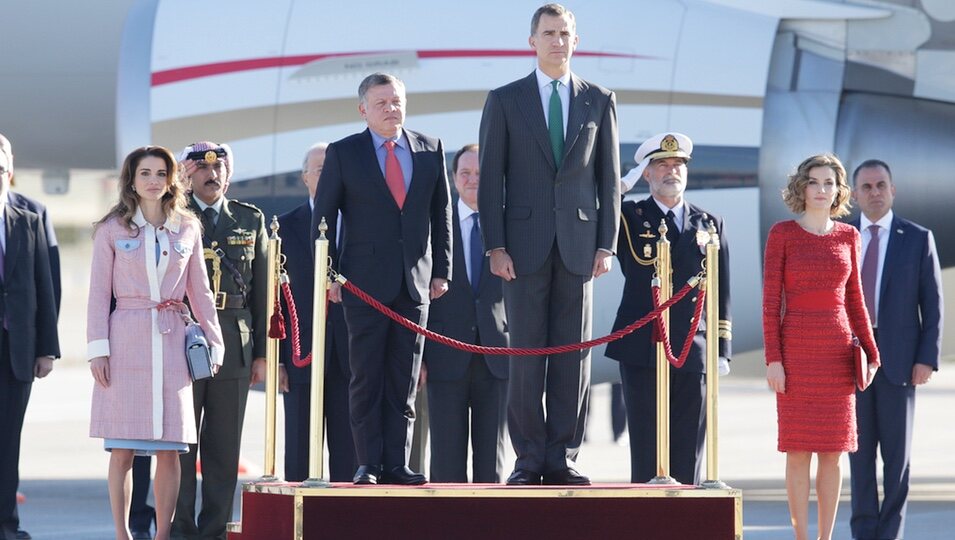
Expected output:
(795, 193)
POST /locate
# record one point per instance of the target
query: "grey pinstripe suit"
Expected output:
(551, 222)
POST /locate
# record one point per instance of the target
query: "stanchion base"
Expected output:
(663, 481)
(315, 483)
(480, 511)
(266, 479)
(714, 484)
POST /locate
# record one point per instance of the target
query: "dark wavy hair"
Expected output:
(795, 193)
(173, 201)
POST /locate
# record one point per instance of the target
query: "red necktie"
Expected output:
(393, 175)
(870, 272)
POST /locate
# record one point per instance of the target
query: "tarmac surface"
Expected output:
(63, 471)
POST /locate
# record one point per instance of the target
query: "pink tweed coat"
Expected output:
(150, 392)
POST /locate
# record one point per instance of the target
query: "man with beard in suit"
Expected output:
(662, 162)
(550, 207)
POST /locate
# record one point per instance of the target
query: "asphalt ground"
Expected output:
(63, 471)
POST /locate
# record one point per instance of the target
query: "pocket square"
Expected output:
(182, 248)
(127, 245)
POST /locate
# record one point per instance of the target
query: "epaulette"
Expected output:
(250, 206)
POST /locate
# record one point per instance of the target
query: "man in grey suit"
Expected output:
(902, 285)
(550, 208)
(467, 393)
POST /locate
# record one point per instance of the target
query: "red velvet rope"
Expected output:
(664, 335)
(385, 310)
(297, 359)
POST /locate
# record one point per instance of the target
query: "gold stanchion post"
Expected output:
(271, 356)
(712, 287)
(664, 273)
(316, 424)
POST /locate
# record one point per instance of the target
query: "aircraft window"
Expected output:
(713, 167)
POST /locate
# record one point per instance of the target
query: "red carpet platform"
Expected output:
(281, 511)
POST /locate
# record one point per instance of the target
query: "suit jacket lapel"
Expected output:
(579, 110)
(416, 166)
(895, 237)
(12, 249)
(301, 227)
(368, 157)
(530, 105)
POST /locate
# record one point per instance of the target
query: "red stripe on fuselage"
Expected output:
(168, 76)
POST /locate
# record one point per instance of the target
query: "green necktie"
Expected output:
(555, 124)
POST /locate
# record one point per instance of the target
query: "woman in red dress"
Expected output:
(812, 308)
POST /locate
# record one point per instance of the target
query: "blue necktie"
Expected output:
(477, 253)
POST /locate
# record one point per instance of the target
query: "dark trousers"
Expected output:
(551, 306)
(474, 406)
(220, 410)
(338, 436)
(141, 515)
(618, 411)
(14, 395)
(687, 423)
(385, 359)
(884, 415)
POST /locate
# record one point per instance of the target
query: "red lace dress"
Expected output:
(812, 306)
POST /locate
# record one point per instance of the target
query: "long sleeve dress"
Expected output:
(812, 307)
(150, 393)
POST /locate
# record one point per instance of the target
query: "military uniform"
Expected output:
(239, 241)
(636, 247)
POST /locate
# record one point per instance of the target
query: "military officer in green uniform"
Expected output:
(235, 243)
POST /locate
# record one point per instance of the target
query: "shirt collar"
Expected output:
(172, 222)
(217, 206)
(544, 80)
(464, 211)
(399, 139)
(677, 210)
(884, 222)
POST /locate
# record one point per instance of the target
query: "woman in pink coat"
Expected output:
(147, 251)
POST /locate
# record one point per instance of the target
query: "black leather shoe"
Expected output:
(367, 475)
(22, 535)
(523, 477)
(565, 477)
(402, 476)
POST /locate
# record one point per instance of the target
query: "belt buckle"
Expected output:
(221, 300)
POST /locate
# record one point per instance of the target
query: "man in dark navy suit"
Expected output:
(901, 282)
(27, 311)
(467, 392)
(391, 186)
(26, 203)
(295, 230)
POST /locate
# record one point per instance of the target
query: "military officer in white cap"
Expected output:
(662, 162)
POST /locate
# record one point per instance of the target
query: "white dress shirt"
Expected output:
(467, 223)
(885, 229)
(563, 89)
(677, 213)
